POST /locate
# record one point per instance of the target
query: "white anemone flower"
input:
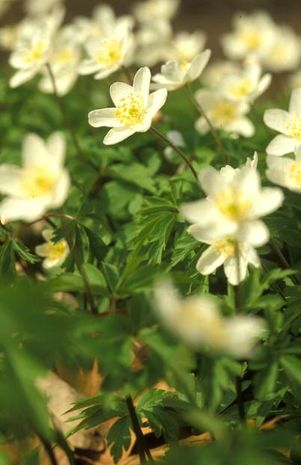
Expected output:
(234, 204)
(40, 184)
(197, 321)
(175, 74)
(185, 46)
(225, 114)
(215, 73)
(285, 172)
(288, 123)
(285, 51)
(64, 63)
(134, 108)
(153, 43)
(246, 85)
(153, 10)
(105, 55)
(252, 36)
(54, 253)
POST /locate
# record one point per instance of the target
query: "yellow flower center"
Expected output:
(241, 89)
(223, 113)
(38, 182)
(56, 250)
(131, 110)
(251, 38)
(294, 173)
(36, 54)
(233, 204)
(294, 127)
(110, 53)
(64, 57)
(225, 247)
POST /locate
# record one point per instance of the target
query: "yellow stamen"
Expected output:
(38, 182)
(294, 173)
(241, 89)
(36, 53)
(57, 250)
(226, 247)
(233, 204)
(294, 127)
(110, 53)
(131, 110)
(223, 113)
(251, 38)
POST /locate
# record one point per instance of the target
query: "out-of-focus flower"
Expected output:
(215, 73)
(198, 322)
(253, 35)
(225, 114)
(40, 8)
(40, 184)
(246, 85)
(235, 200)
(175, 74)
(284, 53)
(106, 55)
(153, 43)
(285, 172)
(134, 108)
(54, 253)
(64, 62)
(177, 139)
(288, 123)
(153, 10)
(185, 46)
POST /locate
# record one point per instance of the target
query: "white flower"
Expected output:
(185, 46)
(253, 35)
(30, 57)
(153, 10)
(64, 63)
(284, 53)
(40, 184)
(235, 201)
(175, 74)
(153, 43)
(225, 114)
(177, 139)
(106, 55)
(285, 172)
(54, 253)
(198, 322)
(134, 108)
(229, 250)
(215, 73)
(288, 123)
(246, 85)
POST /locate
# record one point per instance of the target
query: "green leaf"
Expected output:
(120, 437)
(292, 367)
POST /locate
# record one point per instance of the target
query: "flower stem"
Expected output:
(213, 131)
(67, 121)
(238, 305)
(143, 450)
(176, 149)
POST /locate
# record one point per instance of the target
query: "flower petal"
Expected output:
(295, 102)
(104, 117)
(142, 82)
(277, 119)
(116, 135)
(281, 145)
(210, 260)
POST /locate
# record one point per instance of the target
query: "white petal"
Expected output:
(10, 180)
(254, 232)
(88, 67)
(34, 151)
(20, 77)
(281, 145)
(116, 135)
(167, 303)
(200, 212)
(156, 101)
(119, 91)
(142, 82)
(247, 181)
(56, 144)
(235, 276)
(277, 119)
(198, 65)
(295, 102)
(209, 261)
(104, 117)
(242, 126)
(61, 190)
(12, 209)
(269, 200)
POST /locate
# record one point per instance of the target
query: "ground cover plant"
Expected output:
(150, 240)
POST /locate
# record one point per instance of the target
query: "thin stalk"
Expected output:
(127, 74)
(143, 450)
(49, 451)
(176, 149)
(67, 121)
(283, 260)
(213, 131)
(238, 305)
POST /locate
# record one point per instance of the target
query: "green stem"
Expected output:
(176, 149)
(212, 129)
(143, 450)
(67, 121)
